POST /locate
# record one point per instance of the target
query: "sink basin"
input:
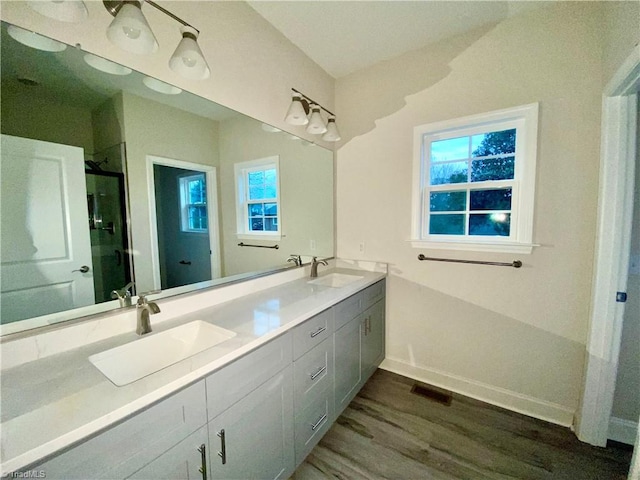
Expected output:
(137, 359)
(335, 280)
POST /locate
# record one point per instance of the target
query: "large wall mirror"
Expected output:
(113, 181)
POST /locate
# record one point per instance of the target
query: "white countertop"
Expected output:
(53, 402)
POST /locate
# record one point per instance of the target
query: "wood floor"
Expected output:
(387, 432)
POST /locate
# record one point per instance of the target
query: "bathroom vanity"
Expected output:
(252, 406)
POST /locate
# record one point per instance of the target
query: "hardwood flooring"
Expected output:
(387, 432)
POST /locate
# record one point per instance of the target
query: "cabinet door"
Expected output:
(253, 439)
(182, 462)
(372, 339)
(348, 350)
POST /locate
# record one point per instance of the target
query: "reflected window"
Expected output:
(258, 198)
(476, 179)
(193, 203)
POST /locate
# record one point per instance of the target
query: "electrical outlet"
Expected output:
(312, 244)
(361, 248)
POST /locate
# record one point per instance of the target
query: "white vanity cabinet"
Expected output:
(120, 451)
(250, 410)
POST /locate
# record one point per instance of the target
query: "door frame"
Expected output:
(611, 263)
(212, 212)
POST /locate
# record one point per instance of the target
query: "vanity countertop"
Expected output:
(51, 403)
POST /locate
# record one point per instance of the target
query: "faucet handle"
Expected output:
(142, 297)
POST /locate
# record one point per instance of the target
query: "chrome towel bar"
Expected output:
(276, 247)
(514, 264)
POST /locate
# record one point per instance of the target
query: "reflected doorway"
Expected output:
(186, 223)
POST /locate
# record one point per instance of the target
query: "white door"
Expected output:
(45, 262)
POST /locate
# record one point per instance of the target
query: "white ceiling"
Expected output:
(345, 36)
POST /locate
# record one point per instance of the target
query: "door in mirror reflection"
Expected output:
(183, 220)
(46, 251)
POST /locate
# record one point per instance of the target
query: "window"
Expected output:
(258, 199)
(193, 203)
(474, 182)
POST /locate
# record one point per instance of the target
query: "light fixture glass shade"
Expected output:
(316, 123)
(34, 40)
(188, 59)
(332, 134)
(64, 10)
(106, 66)
(161, 87)
(296, 114)
(130, 31)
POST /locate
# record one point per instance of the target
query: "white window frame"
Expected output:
(184, 203)
(525, 120)
(241, 170)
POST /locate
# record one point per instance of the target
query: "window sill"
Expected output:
(521, 248)
(246, 236)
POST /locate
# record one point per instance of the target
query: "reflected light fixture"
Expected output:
(64, 10)
(161, 87)
(188, 59)
(133, 34)
(106, 66)
(130, 31)
(34, 40)
(304, 111)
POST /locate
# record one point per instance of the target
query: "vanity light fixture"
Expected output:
(130, 31)
(34, 40)
(304, 111)
(64, 10)
(106, 66)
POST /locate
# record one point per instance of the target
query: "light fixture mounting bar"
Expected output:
(311, 101)
(113, 7)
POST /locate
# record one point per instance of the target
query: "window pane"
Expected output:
(490, 224)
(494, 169)
(448, 173)
(498, 199)
(271, 224)
(446, 224)
(271, 209)
(256, 224)
(494, 143)
(256, 193)
(447, 201)
(270, 175)
(256, 209)
(270, 191)
(256, 178)
(197, 191)
(197, 218)
(451, 149)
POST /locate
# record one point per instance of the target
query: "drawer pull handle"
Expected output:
(222, 453)
(319, 422)
(315, 375)
(203, 461)
(318, 332)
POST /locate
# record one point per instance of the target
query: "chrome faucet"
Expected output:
(314, 266)
(297, 259)
(123, 295)
(145, 309)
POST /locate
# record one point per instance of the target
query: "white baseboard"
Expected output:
(623, 431)
(517, 402)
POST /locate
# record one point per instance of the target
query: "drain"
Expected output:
(433, 394)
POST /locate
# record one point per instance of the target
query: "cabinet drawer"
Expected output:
(230, 384)
(372, 294)
(123, 449)
(312, 332)
(313, 373)
(347, 310)
(312, 423)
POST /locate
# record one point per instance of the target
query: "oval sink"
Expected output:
(134, 360)
(335, 280)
